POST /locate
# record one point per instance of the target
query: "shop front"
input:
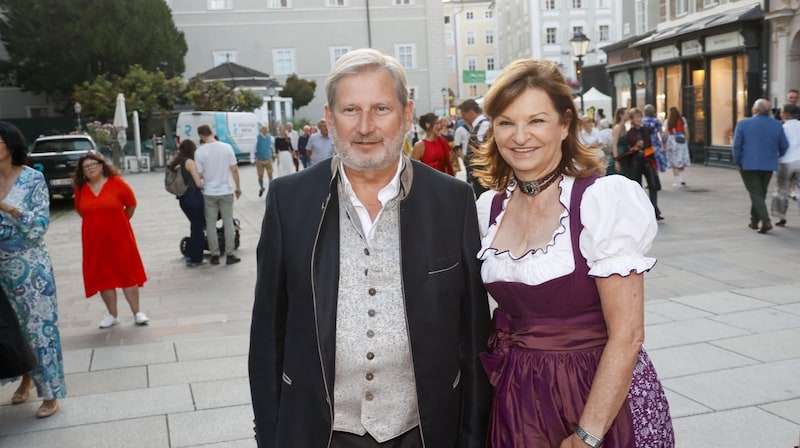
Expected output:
(711, 70)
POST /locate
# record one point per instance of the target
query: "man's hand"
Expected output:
(238, 193)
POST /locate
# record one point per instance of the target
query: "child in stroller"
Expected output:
(220, 237)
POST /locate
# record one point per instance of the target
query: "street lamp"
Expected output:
(77, 109)
(580, 44)
(271, 91)
(444, 102)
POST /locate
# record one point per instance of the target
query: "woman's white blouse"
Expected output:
(619, 227)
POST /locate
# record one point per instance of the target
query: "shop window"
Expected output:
(727, 90)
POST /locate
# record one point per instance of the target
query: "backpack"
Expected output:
(175, 181)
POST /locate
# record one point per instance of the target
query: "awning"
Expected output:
(747, 13)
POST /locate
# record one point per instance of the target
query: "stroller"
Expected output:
(220, 237)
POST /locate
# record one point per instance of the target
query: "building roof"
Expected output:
(748, 13)
(233, 74)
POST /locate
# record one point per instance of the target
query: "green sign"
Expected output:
(474, 76)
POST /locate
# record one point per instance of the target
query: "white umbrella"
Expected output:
(121, 120)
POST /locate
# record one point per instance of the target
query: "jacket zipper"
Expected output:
(316, 319)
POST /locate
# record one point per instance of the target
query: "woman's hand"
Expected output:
(11, 210)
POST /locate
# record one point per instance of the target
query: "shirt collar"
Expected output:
(386, 194)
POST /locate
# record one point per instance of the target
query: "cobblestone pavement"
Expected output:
(722, 314)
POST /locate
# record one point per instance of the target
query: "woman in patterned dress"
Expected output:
(26, 274)
(563, 253)
(677, 146)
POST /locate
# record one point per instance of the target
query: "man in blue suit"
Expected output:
(757, 144)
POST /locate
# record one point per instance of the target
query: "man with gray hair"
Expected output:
(369, 311)
(757, 144)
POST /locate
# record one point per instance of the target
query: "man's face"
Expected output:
(792, 97)
(368, 121)
(323, 129)
(469, 116)
(264, 130)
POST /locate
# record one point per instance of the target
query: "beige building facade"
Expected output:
(471, 46)
(306, 37)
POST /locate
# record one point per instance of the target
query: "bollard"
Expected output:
(158, 151)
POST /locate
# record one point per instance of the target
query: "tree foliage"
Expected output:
(299, 90)
(54, 45)
(147, 92)
(215, 95)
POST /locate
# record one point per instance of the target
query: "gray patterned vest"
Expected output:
(374, 389)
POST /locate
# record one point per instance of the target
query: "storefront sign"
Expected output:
(664, 53)
(691, 48)
(725, 41)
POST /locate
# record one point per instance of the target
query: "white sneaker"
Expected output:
(141, 318)
(108, 321)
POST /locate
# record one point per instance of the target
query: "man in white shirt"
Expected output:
(320, 145)
(216, 163)
(294, 138)
(478, 125)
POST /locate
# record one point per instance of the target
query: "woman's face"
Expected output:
(636, 120)
(92, 169)
(529, 133)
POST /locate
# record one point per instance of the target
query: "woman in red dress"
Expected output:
(433, 150)
(110, 257)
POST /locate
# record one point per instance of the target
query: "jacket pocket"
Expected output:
(457, 380)
(286, 379)
(441, 265)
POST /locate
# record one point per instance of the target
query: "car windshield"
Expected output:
(65, 145)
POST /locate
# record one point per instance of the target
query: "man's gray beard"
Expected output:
(373, 162)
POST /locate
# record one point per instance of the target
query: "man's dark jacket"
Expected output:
(293, 335)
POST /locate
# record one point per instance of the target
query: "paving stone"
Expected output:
(150, 432)
(212, 348)
(789, 409)
(93, 409)
(748, 427)
(722, 302)
(199, 370)
(742, 386)
(688, 332)
(222, 393)
(779, 294)
(76, 360)
(103, 381)
(653, 319)
(695, 358)
(211, 426)
(772, 346)
(673, 310)
(793, 308)
(680, 406)
(244, 443)
(133, 355)
(766, 319)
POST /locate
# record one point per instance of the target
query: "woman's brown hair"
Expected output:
(489, 167)
(673, 118)
(79, 179)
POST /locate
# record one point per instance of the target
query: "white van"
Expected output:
(238, 129)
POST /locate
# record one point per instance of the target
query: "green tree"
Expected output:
(147, 92)
(216, 95)
(54, 45)
(299, 90)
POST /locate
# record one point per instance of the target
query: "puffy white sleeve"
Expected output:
(484, 206)
(619, 227)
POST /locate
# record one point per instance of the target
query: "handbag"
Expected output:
(680, 138)
(16, 356)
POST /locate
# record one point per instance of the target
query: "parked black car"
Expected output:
(56, 156)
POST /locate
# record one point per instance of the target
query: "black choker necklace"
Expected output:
(534, 187)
